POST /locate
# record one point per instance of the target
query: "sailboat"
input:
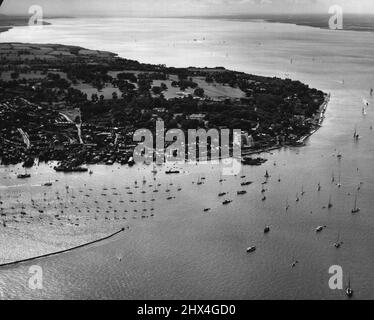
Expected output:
(267, 175)
(356, 136)
(355, 208)
(199, 182)
(294, 262)
(338, 243)
(339, 183)
(220, 178)
(154, 170)
(319, 186)
(349, 290)
(330, 203)
(302, 190)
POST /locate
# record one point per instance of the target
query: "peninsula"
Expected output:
(82, 106)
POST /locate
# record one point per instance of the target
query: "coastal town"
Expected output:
(80, 106)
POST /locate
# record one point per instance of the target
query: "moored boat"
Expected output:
(24, 176)
(246, 183)
(63, 168)
(172, 171)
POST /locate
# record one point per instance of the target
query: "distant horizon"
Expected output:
(185, 16)
(170, 8)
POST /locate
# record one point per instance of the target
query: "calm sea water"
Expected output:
(182, 252)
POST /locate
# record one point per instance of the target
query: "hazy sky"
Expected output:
(182, 7)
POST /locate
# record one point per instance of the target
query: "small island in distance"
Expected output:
(82, 106)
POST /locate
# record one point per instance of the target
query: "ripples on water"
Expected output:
(183, 252)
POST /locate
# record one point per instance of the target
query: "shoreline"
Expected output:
(296, 20)
(301, 141)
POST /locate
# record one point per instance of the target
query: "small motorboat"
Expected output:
(206, 209)
(267, 229)
(222, 194)
(48, 184)
(241, 192)
(251, 249)
(226, 202)
(319, 229)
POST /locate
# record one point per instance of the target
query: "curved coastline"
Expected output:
(8, 264)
